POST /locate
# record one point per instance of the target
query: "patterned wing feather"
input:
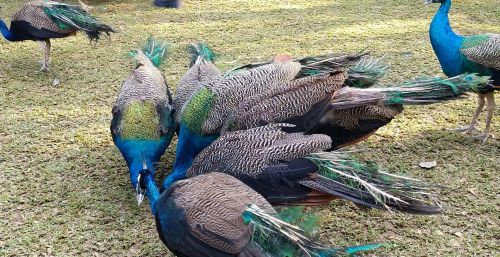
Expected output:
(33, 13)
(483, 49)
(146, 83)
(213, 205)
(293, 100)
(250, 152)
(198, 75)
(141, 102)
(230, 91)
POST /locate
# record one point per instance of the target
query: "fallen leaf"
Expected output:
(56, 82)
(428, 165)
(471, 190)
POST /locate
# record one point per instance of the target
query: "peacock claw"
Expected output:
(44, 68)
(483, 138)
(465, 130)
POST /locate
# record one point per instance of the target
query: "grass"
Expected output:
(64, 186)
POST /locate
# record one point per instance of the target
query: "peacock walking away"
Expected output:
(286, 91)
(42, 20)
(293, 169)
(216, 215)
(467, 54)
(142, 125)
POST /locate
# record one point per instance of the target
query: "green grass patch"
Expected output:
(65, 188)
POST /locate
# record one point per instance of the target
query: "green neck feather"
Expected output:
(197, 110)
(140, 121)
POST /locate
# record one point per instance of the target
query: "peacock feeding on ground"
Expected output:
(467, 54)
(41, 20)
(142, 125)
(216, 215)
(284, 91)
(292, 168)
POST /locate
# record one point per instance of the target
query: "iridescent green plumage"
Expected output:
(417, 92)
(281, 239)
(372, 183)
(155, 50)
(67, 16)
(201, 50)
(140, 121)
(473, 41)
(198, 109)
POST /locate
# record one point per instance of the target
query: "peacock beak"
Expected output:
(139, 196)
(428, 2)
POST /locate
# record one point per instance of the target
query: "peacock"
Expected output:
(467, 54)
(290, 92)
(143, 123)
(42, 20)
(216, 215)
(293, 169)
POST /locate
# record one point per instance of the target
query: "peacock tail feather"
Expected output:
(366, 72)
(201, 50)
(279, 238)
(370, 181)
(417, 92)
(140, 121)
(68, 16)
(197, 109)
(298, 216)
(155, 51)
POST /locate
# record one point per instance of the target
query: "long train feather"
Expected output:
(369, 181)
(279, 238)
(417, 92)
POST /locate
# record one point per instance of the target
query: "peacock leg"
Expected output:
(473, 123)
(45, 45)
(490, 108)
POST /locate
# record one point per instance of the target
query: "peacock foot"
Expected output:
(44, 68)
(465, 130)
(483, 137)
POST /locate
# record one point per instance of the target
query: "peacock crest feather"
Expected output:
(279, 238)
(201, 50)
(155, 50)
(196, 112)
(140, 121)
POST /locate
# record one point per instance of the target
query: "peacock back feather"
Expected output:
(198, 109)
(140, 122)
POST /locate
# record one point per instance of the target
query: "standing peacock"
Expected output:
(290, 168)
(143, 123)
(216, 215)
(290, 92)
(41, 21)
(467, 54)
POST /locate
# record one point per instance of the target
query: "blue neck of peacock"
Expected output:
(136, 166)
(189, 145)
(6, 32)
(445, 42)
(152, 192)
